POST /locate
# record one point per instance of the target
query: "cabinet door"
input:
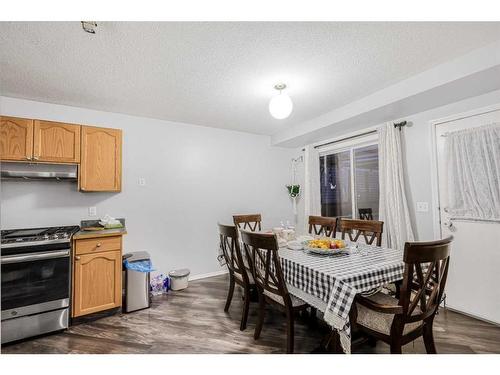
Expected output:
(101, 165)
(97, 282)
(16, 138)
(56, 142)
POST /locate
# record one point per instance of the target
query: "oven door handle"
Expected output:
(34, 256)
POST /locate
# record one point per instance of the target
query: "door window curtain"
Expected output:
(393, 210)
(473, 173)
(312, 188)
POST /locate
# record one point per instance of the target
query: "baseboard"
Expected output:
(205, 275)
(472, 316)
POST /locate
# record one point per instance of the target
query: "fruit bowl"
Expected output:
(326, 246)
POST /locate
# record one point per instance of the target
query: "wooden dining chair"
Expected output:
(248, 222)
(262, 249)
(371, 230)
(400, 321)
(320, 225)
(365, 213)
(238, 273)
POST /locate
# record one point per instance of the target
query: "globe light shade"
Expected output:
(280, 106)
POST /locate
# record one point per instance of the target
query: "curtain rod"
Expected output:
(346, 138)
(398, 125)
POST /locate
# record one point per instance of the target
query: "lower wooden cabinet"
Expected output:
(97, 277)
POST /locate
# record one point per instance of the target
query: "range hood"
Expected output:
(38, 171)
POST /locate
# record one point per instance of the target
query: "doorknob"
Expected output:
(77, 258)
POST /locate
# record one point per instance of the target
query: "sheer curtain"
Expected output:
(393, 203)
(312, 192)
(473, 165)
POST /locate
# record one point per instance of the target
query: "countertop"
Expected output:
(99, 233)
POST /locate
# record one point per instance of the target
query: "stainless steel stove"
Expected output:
(36, 269)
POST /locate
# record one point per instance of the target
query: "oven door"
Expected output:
(35, 282)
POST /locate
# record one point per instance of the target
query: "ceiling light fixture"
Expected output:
(280, 105)
(89, 26)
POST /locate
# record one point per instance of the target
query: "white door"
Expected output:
(473, 285)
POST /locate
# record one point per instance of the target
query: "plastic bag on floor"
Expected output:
(139, 266)
(159, 284)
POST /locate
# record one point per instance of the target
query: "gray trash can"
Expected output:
(136, 294)
(179, 279)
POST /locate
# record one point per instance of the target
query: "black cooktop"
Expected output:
(37, 234)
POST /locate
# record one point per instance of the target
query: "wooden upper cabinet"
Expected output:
(56, 142)
(16, 138)
(97, 150)
(101, 161)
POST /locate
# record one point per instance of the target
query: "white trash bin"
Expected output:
(179, 279)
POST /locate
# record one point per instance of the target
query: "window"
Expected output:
(349, 180)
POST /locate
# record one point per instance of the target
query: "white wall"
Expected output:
(195, 177)
(188, 189)
(418, 152)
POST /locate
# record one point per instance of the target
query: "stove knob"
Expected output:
(65, 235)
(55, 236)
(46, 237)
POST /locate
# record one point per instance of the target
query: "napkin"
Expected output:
(110, 222)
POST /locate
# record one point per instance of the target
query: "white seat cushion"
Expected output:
(381, 322)
(296, 301)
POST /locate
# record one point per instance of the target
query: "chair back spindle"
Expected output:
(262, 250)
(365, 213)
(248, 222)
(426, 271)
(230, 247)
(326, 226)
(370, 230)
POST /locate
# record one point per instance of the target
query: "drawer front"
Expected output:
(95, 245)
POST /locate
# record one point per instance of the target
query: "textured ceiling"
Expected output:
(221, 74)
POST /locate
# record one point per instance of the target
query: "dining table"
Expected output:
(331, 282)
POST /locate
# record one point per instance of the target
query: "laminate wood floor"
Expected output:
(194, 321)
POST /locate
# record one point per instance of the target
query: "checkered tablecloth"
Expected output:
(330, 283)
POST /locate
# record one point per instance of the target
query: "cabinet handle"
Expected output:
(77, 258)
(98, 244)
(28, 158)
(35, 158)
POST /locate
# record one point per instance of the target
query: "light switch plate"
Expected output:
(92, 211)
(422, 206)
(142, 181)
